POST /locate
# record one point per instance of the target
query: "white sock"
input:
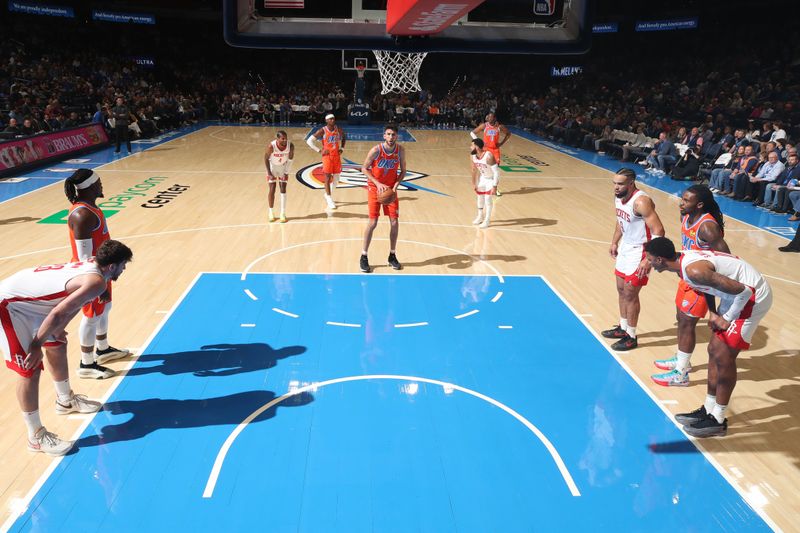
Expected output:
(631, 331)
(87, 358)
(32, 422)
(102, 344)
(623, 324)
(328, 197)
(480, 201)
(271, 215)
(710, 402)
(719, 412)
(63, 391)
(391, 251)
(683, 361)
(283, 204)
(488, 208)
(363, 252)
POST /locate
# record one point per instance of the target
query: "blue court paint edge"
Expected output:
(741, 211)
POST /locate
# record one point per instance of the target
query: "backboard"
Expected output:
(494, 26)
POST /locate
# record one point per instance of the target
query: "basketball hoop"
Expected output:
(399, 71)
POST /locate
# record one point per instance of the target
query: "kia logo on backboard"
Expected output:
(351, 176)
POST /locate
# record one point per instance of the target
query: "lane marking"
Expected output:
(468, 313)
(208, 492)
(287, 313)
(343, 324)
(505, 327)
(248, 325)
(250, 294)
(411, 325)
(497, 296)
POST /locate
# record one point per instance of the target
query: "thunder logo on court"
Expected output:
(313, 177)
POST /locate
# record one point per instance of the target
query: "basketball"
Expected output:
(387, 197)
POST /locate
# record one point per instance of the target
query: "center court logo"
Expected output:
(351, 176)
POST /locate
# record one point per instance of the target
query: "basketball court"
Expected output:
(276, 387)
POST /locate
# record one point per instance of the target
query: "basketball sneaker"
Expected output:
(272, 218)
(625, 343)
(110, 354)
(673, 378)
(49, 443)
(79, 403)
(669, 364)
(330, 203)
(364, 264)
(283, 218)
(708, 427)
(687, 419)
(394, 263)
(614, 333)
(478, 219)
(95, 371)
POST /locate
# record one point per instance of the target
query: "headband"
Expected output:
(88, 182)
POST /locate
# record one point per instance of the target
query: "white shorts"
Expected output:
(628, 258)
(279, 171)
(740, 333)
(485, 185)
(17, 329)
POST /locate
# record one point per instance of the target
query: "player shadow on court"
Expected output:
(333, 215)
(17, 220)
(463, 261)
(216, 360)
(143, 417)
(525, 222)
(530, 190)
(774, 428)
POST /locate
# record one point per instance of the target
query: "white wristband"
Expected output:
(83, 247)
(472, 134)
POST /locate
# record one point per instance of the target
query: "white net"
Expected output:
(399, 71)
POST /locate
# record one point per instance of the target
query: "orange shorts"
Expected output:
(392, 210)
(690, 302)
(96, 307)
(331, 164)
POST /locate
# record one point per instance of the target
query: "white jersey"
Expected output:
(634, 229)
(36, 291)
(279, 157)
(731, 267)
(483, 167)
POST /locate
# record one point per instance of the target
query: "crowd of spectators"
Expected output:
(728, 119)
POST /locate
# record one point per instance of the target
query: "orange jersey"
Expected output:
(689, 239)
(331, 140)
(491, 135)
(386, 167)
(99, 233)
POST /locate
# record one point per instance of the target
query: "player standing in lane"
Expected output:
(492, 130)
(278, 159)
(701, 229)
(333, 140)
(88, 229)
(485, 178)
(637, 223)
(385, 168)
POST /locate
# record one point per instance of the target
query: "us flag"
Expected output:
(284, 4)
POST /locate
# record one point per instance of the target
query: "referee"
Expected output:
(122, 120)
